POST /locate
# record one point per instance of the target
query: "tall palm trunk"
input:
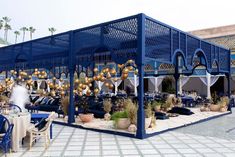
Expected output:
(16, 39)
(23, 35)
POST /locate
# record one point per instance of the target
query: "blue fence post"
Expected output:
(71, 65)
(140, 62)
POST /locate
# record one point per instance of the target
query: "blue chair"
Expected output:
(5, 141)
(3, 122)
(15, 107)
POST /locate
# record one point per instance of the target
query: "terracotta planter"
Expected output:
(86, 117)
(215, 108)
(123, 123)
(147, 122)
(223, 109)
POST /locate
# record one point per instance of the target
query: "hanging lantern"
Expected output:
(36, 70)
(54, 78)
(90, 85)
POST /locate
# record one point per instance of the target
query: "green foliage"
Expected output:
(132, 109)
(215, 98)
(148, 110)
(117, 115)
(156, 103)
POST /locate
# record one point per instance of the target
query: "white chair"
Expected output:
(35, 134)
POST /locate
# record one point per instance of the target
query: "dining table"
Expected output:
(21, 122)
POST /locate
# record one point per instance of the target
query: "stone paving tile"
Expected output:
(187, 143)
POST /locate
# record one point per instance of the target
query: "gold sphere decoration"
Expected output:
(108, 75)
(96, 91)
(136, 72)
(77, 81)
(95, 70)
(83, 86)
(115, 79)
(110, 86)
(54, 78)
(102, 79)
(88, 92)
(113, 71)
(106, 84)
(125, 70)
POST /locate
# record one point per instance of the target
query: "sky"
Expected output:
(67, 15)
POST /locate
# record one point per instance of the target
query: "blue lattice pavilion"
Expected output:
(157, 49)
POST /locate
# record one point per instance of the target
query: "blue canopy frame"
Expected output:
(137, 37)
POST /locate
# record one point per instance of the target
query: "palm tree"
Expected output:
(1, 24)
(31, 31)
(52, 30)
(16, 35)
(24, 29)
(7, 27)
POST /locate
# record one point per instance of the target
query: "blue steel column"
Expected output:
(140, 62)
(176, 75)
(71, 110)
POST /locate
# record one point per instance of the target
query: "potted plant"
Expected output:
(156, 105)
(132, 109)
(65, 105)
(121, 120)
(168, 104)
(224, 102)
(107, 108)
(148, 115)
(216, 105)
(85, 116)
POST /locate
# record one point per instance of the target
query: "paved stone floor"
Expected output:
(212, 138)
